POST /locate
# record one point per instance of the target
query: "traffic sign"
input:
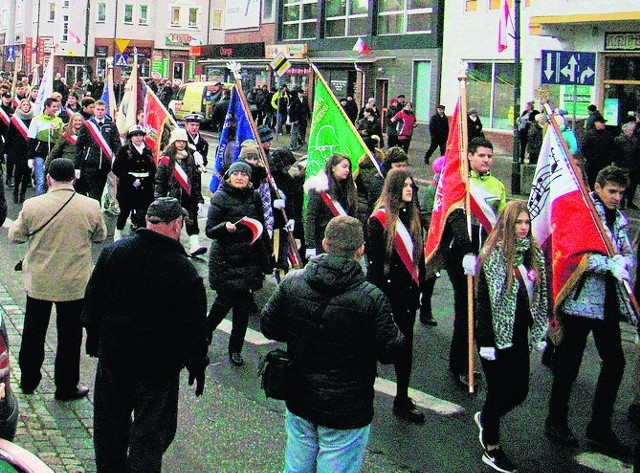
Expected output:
(11, 54)
(568, 68)
(122, 60)
(280, 64)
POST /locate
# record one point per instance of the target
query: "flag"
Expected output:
(108, 96)
(450, 194)
(74, 38)
(236, 129)
(46, 86)
(129, 105)
(331, 132)
(254, 225)
(361, 47)
(502, 26)
(561, 220)
(157, 122)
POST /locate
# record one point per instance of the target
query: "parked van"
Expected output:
(199, 97)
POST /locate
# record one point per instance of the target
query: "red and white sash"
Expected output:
(523, 274)
(20, 126)
(180, 174)
(334, 205)
(16, 101)
(404, 244)
(4, 116)
(70, 138)
(97, 136)
(480, 207)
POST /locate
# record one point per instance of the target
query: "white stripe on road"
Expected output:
(602, 463)
(252, 336)
(7, 223)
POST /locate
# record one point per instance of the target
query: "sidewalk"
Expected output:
(60, 433)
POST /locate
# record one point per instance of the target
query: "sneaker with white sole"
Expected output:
(497, 460)
(478, 421)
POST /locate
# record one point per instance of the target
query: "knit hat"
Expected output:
(240, 166)
(265, 133)
(164, 210)
(438, 165)
(62, 170)
(248, 150)
(178, 134)
(280, 158)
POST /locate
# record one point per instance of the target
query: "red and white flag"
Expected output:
(503, 25)
(254, 225)
(361, 47)
(561, 220)
(74, 38)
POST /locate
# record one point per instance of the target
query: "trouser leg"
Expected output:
(243, 306)
(31, 356)
(67, 364)
(459, 350)
(405, 320)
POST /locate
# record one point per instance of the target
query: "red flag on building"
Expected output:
(450, 194)
(157, 122)
(361, 47)
(503, 25)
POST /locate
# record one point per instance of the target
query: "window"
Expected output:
(175, 16)
(65, 4)
(216, 19)
(65, 28)
(470, 5)
(128, 14)
(144, 15)
(101, 12)
(405, 16)
(299, 19)
(193, 17)
(346, 18)
(490, 90)
(268, 10)
(52, 11)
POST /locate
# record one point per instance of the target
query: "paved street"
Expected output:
(232, 427)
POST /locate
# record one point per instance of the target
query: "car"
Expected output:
(197, 97)
(8, 401)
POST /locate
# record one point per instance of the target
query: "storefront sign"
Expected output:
(160, 69)
(237, 51)
(102, 51)
(143, 53)
(28, 51)
(179, 40)
(622, 41)
(289, 50)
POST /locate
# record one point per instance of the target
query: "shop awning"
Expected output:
(543, 25)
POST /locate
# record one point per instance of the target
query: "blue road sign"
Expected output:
(121, 60)
(11, 54)
(568, 68)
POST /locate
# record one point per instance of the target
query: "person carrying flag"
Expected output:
(178, 177)
(460, 259)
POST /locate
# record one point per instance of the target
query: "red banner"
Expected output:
(157, 122)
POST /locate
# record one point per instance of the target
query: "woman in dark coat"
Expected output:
(17, 148)
(136, 172)
(396, 265)
(237, 264)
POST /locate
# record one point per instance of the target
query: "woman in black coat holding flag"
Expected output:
(238, 259)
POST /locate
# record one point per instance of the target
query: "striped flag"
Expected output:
(254, 225)
(503, 25)
(74, 38)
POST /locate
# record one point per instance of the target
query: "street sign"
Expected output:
(280, 64)
(122, 60)
(568, 68)
(11, 54)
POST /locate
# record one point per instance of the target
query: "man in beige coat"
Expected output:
(59, 227)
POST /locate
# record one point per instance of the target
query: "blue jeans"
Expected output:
(313, 448)
(38, 170)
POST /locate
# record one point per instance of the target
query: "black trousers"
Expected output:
(606, 335)
(94, 180)
(243, 306)
(137, 215)
(507, 387)
(21, 179)
(31, 357)
(459, 351)
(435, 144)
(405, 320)
(126, 443)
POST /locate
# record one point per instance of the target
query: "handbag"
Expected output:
(18, 266)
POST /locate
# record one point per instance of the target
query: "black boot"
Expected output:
(426, 317)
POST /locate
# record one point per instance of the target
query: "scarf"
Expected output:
(503, 299)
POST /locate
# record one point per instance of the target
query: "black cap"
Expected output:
(441, 107)
(62, 170)
(600, 119)
(6, 96)
(217, 84)
(165, 210)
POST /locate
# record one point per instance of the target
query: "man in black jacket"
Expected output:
(439, 131)
(598, 148)
(145, 308)
(336, 326)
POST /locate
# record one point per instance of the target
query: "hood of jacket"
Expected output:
(333, 275)
(319, 182)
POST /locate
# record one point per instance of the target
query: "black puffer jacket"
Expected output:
(235, 264)
(334, 359)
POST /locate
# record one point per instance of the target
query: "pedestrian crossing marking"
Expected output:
(254, 337)
(7, 223)
(426, 401)
(602, 463)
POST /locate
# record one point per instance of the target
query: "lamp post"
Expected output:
(87, 67)
(515, 168)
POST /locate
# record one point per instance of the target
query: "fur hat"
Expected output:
(178, 134)
(249, 149)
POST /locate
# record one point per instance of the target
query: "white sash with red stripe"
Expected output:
(524, 278)
(20, 126)
(4, 116)
(180, 175)
(70, 138)
(97, 136)
(403, 241)
(334, 205)
(480, 207)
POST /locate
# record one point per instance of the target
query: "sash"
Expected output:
(179, 174)
(20, 126)
(334, 205)
(480, 207)
(16, 101)
(404, 244)
(97, 136)
(4, 116)
(523, 276)
(69, 138)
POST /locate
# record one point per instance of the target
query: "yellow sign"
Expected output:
(122, 44)
(280, 64)
(289, 50)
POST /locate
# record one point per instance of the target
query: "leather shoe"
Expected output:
(607, 441)
(560, 433)
(406, 409)
(236, 359)
(78, 393)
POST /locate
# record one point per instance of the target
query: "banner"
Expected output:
(129, 105)
(108, 95)
(157, 122)
(45, 88)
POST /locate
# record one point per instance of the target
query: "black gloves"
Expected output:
(198, 375)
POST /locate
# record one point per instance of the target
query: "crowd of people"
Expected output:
(353, 304)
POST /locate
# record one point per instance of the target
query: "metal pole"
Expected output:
(86, 39)
(515, 168)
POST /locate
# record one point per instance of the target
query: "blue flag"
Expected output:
(235, 130)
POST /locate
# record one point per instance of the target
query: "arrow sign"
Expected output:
(568, 68)
(586, 74)
(549, 69)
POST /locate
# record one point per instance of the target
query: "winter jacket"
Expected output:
(62, 149)
(167, 185)
(88, 152)
(16, 145)
(408, 120)
(598, 148)
(131, 165)
(234, 263)
(628, 154)
(334, 353)
(43, 133)
(439, 128)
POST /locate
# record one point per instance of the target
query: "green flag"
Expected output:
(331, 132)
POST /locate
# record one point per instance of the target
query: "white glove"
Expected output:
(200, 208)
(278, 204)
(310, 252)
(30, 163)
(197, 156)
(291, 224)
(469, 264)
(77, 173)
(488, 353)
(270, 232)
(541, 346)
(623, 261)
(137, 183)
(619, 272)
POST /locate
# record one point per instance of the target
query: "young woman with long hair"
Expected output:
(511, 318)
(396, 266)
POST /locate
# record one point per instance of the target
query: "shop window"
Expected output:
(622, 68)
(346, 18)
(405, 16)
(101, 12)
(175, 16)
(299, 19)
(193, 17)
(490, 90)
(268, 10)
(128, 14)
(143, 19)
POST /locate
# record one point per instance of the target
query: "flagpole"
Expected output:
(464, 146)
(584, 192)
(14, 80)
(344, 114)
(235, 68)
